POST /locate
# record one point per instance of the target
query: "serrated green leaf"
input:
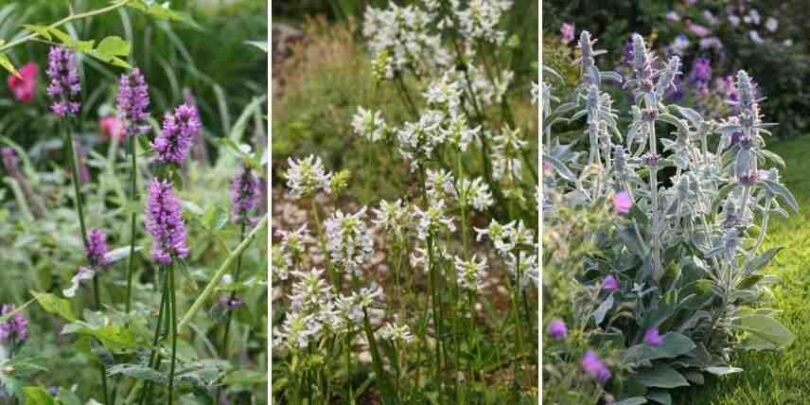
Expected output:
(138, 372)
(114, 46)
(55, 305)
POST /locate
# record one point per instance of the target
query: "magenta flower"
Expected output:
(557, 329)
(595, 367)
(622, 202)
(132, 102)
(96, 248)
(609, 283)
(65, 86)
(244, 195)
(24, 86)
(652, 337)
(15, 327)
(164, 223)
(179, 130)
(567, 32)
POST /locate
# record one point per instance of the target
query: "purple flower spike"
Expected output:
(557, 329)
(595, 367)
(164, 223)
(609, 283)
(244, 195)
(15, 327)
(179, 131)
(96, 248)
(652, 337)
(133, 100)
(65, 86)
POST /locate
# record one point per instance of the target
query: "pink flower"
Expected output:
(595, 367)
(567, 32)
(609, 283)
(112, 128)
(24, 86)
(652, 337)
(622, 202)
(557, 329)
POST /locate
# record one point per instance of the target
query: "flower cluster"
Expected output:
(165, 223)
(244, 195)
(348, 240)
(401, 38)
(65, 86)
(179, 131)
(15, 328)
(306, 177)
(132, 102)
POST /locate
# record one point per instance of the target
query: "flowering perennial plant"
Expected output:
(429, 286)
(653, 270)
(92, 315)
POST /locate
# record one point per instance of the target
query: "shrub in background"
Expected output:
(766, 38)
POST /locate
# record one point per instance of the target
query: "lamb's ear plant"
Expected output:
(653, 230)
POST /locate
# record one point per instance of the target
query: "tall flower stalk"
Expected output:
(64, 89)
(164, 221)
(244, 200)
(132, 104)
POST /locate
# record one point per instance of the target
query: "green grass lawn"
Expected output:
(778, 377)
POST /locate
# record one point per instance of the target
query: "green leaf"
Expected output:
(138, 372)
(660, 396)
(114, 46)
(602, 310)
(113, 337)
(761, 260)
(661, 376)
(55, 305)
(38, 396)
(673, 345)
(765, 328)
(40, 30)
(6, 63)
(783, 192)
(245, 377)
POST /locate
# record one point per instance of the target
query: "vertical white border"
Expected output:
(540, 201)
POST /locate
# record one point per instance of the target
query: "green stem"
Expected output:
(215, 279)
(233, 296)
(132, 224)
(74, 172)
(154, 358)
(173, 312)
